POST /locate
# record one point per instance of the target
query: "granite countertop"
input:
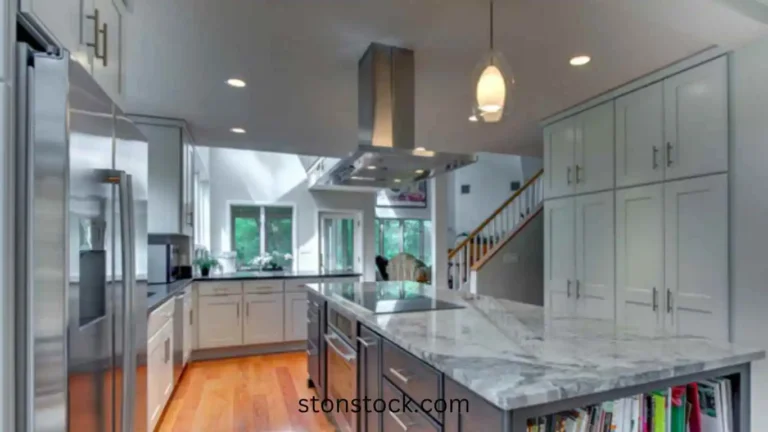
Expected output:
(157, 294)
(513, 356)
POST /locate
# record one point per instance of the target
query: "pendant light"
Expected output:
(493, 84)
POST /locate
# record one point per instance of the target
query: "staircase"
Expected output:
(498, 229)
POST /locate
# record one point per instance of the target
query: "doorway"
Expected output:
(341, 241)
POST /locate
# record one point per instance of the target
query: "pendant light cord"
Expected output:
(491, 25)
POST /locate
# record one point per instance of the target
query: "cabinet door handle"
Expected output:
(399, 375)
(568, 288)
(403, 425)
(568, 174)
(578, 289)
(578, 170)
(95, 43)
(655, 303)
(105, 32)
(366, 343)
(167, 347)
(247, 309)
(655, 157)
(238, 309)
(669, 301)
(191, 320)
(669, 154)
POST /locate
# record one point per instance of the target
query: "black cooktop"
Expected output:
(392, 298)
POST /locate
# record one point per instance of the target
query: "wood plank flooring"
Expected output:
(259, 393)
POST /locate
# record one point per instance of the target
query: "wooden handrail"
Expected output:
(477, 265)
(488, 220)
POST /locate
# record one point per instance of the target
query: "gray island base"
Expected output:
(517, 369)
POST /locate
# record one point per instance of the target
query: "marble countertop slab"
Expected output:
(513, 356)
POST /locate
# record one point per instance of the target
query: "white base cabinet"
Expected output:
(579, 251)
(221, 320)
(159, 373)
(672, 257)
(263, 318)
(295, 316)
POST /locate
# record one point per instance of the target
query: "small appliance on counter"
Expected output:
(163, 263)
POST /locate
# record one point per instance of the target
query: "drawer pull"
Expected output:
(399, 375)
(366, 343)
(403, 425)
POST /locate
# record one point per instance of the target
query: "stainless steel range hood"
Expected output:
(387, 155)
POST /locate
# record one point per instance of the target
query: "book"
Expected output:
(678, 405)
(694, 420)
(710, 421)
(659, 407)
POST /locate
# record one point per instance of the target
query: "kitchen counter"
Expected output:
(157, 294)
(513, 356)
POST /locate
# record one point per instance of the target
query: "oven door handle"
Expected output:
(349, 357)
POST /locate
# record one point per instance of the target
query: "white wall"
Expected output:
(244, 176)
(516, 272)
(749, 212)
(489, 179)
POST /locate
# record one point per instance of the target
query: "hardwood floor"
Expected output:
(259, 393)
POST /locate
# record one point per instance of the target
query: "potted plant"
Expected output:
(270, 262)
(205, 262)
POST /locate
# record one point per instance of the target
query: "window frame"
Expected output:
(401, 222)
(262, 226)
(359, 238)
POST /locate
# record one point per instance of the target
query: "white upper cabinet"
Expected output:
(640, 257)
(696, 256)
(559, 262)
(593, 167)
(595, 255)
(696, 120)
(640, 136)
(559, 147)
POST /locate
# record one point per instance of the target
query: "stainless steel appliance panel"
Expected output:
(132, 158)
(41, 241)
(95, 369)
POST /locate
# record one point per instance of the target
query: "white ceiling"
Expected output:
(299, 58)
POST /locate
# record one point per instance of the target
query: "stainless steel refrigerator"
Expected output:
(82, 241)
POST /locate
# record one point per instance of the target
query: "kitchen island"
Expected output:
(510, 361)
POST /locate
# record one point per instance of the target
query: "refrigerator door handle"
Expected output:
(125, 206)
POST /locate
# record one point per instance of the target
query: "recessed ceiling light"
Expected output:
(362, 178)
(234, 82)
(419, 171)
(372, 167)
(238, 130)
(473, 118)
(580, 60)
(397, 180)
(419, 149)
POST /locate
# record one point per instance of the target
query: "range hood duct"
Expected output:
(387, 155)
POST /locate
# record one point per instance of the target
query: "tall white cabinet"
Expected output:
(636, 215)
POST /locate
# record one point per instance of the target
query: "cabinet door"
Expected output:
(66, 21)
(593, 168)
(264, 318)
(559, 141)
(640, 136)
(106, 62)
(295, 316)
(696, 256)
(160, 372)
(639, 257)
(369, 379)
(696, 120)
(188, 319)
(220, 322)
(595, 244)
(164, 177)
(559, 260)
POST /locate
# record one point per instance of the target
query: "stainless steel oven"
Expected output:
(341, 363)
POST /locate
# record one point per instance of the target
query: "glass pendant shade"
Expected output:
(493, 88)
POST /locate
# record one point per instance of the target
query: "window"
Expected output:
(337, 241)
(258, 230)
(413, 236)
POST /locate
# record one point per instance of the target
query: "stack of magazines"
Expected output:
(704, 406)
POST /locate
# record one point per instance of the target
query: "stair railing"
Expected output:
(503, 221)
